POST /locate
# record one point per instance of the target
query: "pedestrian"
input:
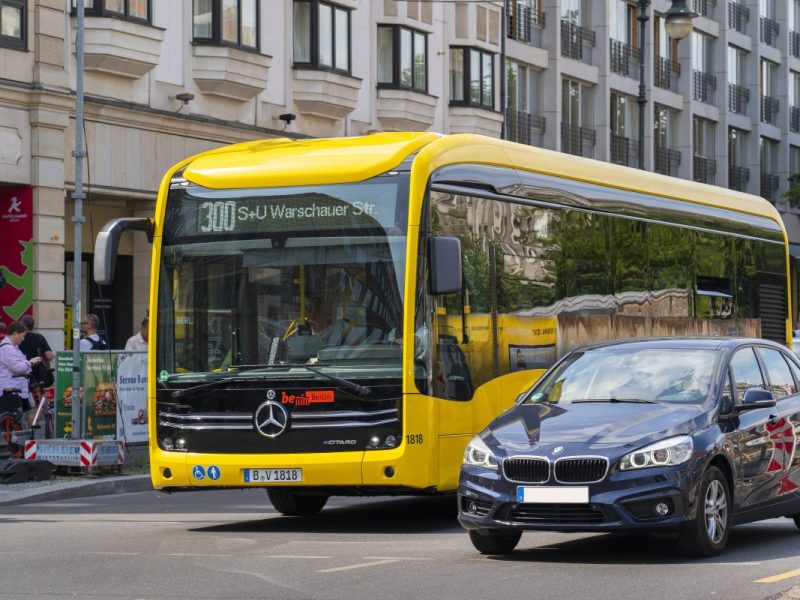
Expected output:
(13, 370)
(138, 342)
(34, 343)
(3, 330)
(91, 340)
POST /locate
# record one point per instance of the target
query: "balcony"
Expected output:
(121, 48)
(524, 127)
(704, 169)
(229, 72)
(667, 160)
(794, 44)
(769, 185)
(704, 8)
(769, 109)
(738, 177)
(577, 41)
(624, 59)
(577, 140)
(738, 97)
(666, 74)
(405, 110)
(703, 86)
(325, 94)
(624, 151)
(738, 16)
(794, 118)
(769, 31)
(525, 24)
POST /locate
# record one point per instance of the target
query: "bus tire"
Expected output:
(495, 542)
(296, 504)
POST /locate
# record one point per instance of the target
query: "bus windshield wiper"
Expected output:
(615, 401)
(361, 390)
(195, 389)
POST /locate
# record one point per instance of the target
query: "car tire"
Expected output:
(708, 533)
(796, 520)
(495, 542)
(296, 504)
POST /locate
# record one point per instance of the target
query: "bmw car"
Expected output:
(679, 436)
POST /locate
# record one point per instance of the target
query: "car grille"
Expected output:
(526, 469)
(557, 514)
(580, 470)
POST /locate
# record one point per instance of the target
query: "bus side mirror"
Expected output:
(107, 244)
(444, 254)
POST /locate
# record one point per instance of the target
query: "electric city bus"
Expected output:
(341, 316)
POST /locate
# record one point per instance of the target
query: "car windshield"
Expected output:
(618, 373)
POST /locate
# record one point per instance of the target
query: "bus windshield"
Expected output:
(260, 278)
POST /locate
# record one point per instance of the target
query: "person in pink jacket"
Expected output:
(13, 370)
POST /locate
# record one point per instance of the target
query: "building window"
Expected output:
(12, 24)
(402, 58)
(225, 22)
(321, 36)
(132, 10)
(471, 77)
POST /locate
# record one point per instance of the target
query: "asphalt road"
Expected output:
(231, 544)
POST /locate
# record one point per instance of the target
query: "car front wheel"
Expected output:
(796, 520)
(295, 504)
(709, 531)
(495, 542)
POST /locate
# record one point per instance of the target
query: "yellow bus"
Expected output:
(341, 316)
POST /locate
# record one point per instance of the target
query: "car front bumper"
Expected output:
(623, 501)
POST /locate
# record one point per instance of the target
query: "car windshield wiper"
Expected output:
(615, 401)
(361, 390)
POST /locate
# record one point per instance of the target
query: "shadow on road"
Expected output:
(766, 541)
(406, 515)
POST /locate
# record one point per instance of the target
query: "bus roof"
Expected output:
(281, 161)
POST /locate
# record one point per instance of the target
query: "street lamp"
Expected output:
(678, 24)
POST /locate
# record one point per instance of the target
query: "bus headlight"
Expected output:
(666, 453)
(478, 454)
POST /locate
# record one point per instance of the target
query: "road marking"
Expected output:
(300, 556)
(114, 553)
(395, 558)
(191, 554)
(373, 563)
(779, 577)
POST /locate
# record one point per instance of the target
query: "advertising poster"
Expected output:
(100, 383)
(132, 397)
(63, 399)
(115, 384)
(16, 253)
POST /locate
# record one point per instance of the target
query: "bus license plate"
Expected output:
(273, 475)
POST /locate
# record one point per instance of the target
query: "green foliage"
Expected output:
(792, 195)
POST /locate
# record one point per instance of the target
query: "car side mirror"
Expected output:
(444, 254)
(755, 398)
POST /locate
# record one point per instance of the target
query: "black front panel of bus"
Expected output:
(271, 418)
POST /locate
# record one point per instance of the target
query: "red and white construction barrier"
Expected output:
(77, 453)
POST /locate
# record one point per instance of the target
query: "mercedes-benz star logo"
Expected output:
(270, 419)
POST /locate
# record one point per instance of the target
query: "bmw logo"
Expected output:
(558, 449)
(270, 419)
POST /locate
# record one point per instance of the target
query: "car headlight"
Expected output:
(478, 454)
(666, 453)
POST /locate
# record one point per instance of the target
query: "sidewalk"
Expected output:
(72, 486)
(135, 478)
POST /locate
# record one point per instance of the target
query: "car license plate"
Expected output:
(553, 495)
(273, 475)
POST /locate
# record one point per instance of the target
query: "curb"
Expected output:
(77, 489)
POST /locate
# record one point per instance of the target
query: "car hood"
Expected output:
(606, 423)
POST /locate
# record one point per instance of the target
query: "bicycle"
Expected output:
(45, 409)
(12, 429)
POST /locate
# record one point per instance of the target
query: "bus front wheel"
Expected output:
(296, 504)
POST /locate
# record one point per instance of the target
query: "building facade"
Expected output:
(165, 79)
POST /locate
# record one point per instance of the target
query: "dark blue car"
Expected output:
(682, 435)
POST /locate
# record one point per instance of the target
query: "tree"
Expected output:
(792, 195)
